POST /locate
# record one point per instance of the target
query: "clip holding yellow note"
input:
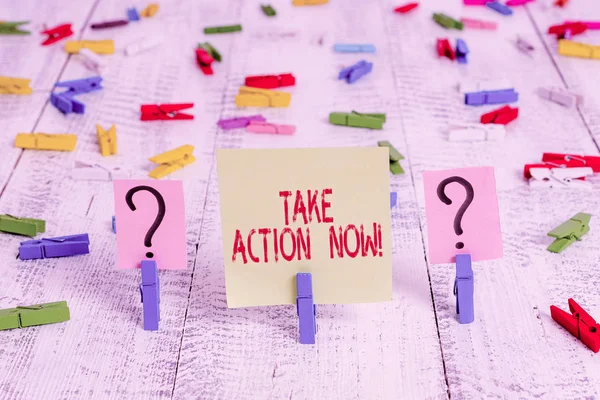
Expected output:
(255, 97)
(45, 141)
(10, 85)
(309, 2)
(172, 161)
(107, 140)
(149, 11)
(97, 46)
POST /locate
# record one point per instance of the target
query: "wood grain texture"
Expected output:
(410, 348)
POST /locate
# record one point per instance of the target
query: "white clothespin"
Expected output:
(460, 132)
(143, 45)
(524, 46)
(487, 86)
(560, 177)
(91, 60)
(95, 172)
(561, 96)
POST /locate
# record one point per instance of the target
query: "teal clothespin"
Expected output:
(268, 10)
(357, 120)
(12, 28)
(395, 157)
(569, 232)
(447, 22)
(38, 314)
(21, 226)
(211, 51)
(223, 29)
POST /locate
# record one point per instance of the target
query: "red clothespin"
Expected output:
(56, 34)
(579, 323)
(501, 116)
(204, 61)
(572, 160)
(406, 8)
(561, 3)
(444, 49)
(568, 28)
(270, 81)
(164, 112)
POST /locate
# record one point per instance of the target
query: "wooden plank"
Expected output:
(513, 349)
(23, 56)
(103, 350)
(388, 350)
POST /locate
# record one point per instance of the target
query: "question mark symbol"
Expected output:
(159, 216)
(463, 208)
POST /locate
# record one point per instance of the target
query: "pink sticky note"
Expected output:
(480, 222)
(150, 199)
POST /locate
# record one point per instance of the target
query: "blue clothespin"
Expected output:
(132, 14)
(393, 199)
(499, 7)
(66, 102)
(61, 246)
(114, 224)
(150, 292)
(307, 311)
(353, 48)
(461, 51)
(356, 71)
(463, 289)
(491, 97)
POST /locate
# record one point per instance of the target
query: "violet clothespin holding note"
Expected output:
(307, 311)
(461, 206)
(463, 289)
(150, 293)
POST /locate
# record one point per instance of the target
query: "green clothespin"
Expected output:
(569, 232)
(21, 226)
(447, 22)
(395, 157)
(268, 10)
(12, 28)
(38, 314)
(357, 120)
(223, 29)
(210, 50)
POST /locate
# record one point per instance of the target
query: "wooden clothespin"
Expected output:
(21, 226)
(10, 85)
(96, 172)
(354, 72)
(501, 116)
(214, 53)
(149, 11)
(307, 311)
(444, 49)
(58, 33)
(552, 176)
(37, 314)
(97, 46)
(575, 49)
(298, 3)
(107, 140)
(45, 141)
(204, 61)
(62, 246)
(579, 324)
(12, 28)
(165, 112)
(150, 294)
(65, 101)
(357, 120)
(572, 160)
(561, 96)
(395, 157)
(254, 97)
(464, 288)
(270, 81)
(569, 231)
(464, 132)
(172, 161)
(264, 127)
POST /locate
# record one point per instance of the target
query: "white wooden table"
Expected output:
(410, 348)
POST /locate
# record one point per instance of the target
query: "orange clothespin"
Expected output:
(56, 34)
(579, 323)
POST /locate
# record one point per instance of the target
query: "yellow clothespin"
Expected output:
(574, 49)
(150, 10)
(97, 46)
(172, 160)
(10, 85)
(308, 2)
(107, 140)
(44, 141)
(254, 97)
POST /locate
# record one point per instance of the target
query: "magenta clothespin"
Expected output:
(475, 2)
(239, 122)
(512, 3)
(463, 289)
(150, 293)
(307, 311)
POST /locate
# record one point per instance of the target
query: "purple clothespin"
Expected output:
(491, 97)
(461, 51)
(307, 311)
(393, 199)
(109, 24)
(239, 122)
(61, 246)
(114, 224)
(499, 7)
(132, 14)
(150, 292)
(66, 102)
(463, 289)
(355, 72)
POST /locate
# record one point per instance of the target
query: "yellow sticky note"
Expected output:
(97, 46)
(322, 211)
(574, 49)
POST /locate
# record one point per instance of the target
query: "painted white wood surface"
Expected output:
(396, 350)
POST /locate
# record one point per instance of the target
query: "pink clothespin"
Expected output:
(264, 127)
(478, 24)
